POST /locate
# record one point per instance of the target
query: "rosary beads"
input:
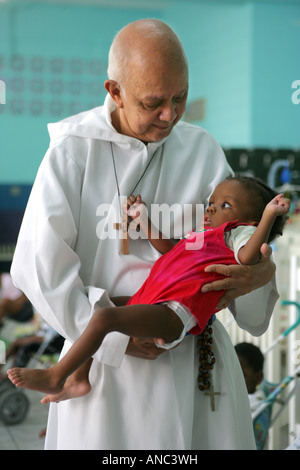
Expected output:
(206, 357)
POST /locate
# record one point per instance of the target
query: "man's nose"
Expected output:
(168, 113)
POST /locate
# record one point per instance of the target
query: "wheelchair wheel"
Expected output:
(5, 385)
(14, 406)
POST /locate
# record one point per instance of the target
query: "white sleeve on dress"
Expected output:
(253, 311)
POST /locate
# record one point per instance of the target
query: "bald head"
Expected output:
(144, 43)
(148, 80)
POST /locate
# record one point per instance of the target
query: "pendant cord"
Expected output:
(115, 169)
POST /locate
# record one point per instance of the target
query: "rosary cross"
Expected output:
(212, 394)
(123, 226)
(124, 233)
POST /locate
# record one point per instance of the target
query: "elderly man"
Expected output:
(69, 259)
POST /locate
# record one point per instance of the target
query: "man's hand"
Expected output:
(240, 279)
(143, 349)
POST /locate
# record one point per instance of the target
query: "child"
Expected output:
(252, 364)
(178, 276)
(13, 303)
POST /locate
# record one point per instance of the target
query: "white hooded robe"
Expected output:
(68, 261)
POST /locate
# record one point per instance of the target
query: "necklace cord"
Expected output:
(139, 180)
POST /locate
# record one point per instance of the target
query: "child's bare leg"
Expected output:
(77, 385)
(141, 321)
(53, 380)
(36, 379)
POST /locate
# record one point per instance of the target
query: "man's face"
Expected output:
(252, 378)
(152, 102)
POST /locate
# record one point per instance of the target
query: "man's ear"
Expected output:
(113, 88)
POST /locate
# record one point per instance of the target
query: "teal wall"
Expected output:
(218, 41)
(53, 59)
(243, 59)
(276, 64)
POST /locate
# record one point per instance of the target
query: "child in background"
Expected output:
(13, 303)
(252, 364)
(171, 301)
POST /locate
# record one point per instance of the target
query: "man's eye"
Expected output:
(179, 99)
(150, 106)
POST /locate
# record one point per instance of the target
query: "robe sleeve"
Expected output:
(253, 311)
(45, 265)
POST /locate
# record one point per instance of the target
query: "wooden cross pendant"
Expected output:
(212, 394)
(124, 233)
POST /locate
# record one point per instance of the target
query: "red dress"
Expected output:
(179, 274)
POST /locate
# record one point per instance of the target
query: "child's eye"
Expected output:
(226, 204)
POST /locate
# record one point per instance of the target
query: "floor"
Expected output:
(26, 434)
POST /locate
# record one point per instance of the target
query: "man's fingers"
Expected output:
(218, 268)
(225, 300)
(265, 250)
(143, 349)
(221, 284)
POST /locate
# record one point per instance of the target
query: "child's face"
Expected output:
(252, 378)
(228, 202)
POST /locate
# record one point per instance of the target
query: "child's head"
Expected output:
(252, 363)
(244, 199)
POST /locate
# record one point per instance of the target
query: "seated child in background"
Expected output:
(171, 301)
(13, 303)
(22, 349)
(252, 364)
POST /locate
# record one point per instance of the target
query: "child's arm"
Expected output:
(250, 252)
(137, 210)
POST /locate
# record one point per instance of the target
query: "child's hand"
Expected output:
(279, 205)
(134, 206)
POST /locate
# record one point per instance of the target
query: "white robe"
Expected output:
(66, 267)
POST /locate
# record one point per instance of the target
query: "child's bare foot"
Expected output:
(72, 389)
(40, 380)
